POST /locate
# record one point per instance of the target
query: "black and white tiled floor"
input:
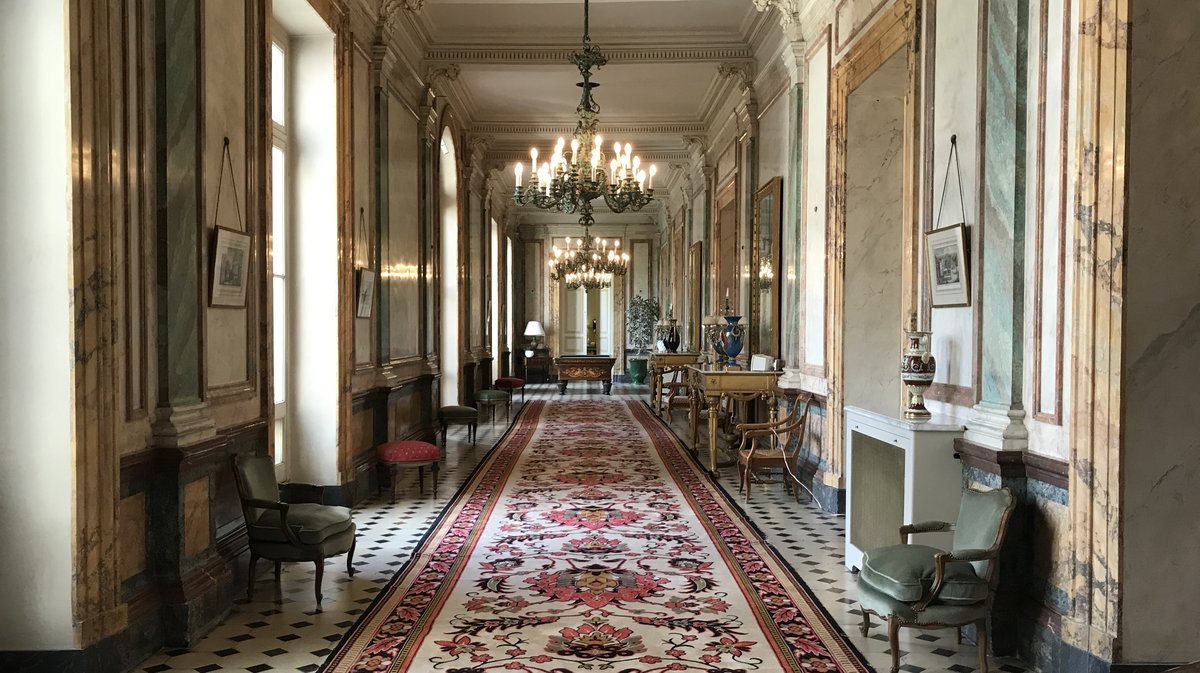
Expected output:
(281, 631)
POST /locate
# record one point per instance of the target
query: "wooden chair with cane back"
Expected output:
(765, 446)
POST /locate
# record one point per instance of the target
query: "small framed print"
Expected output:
(230, 269)
(366, 293)
(949, 275)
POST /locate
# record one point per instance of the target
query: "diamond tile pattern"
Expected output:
(282, 631)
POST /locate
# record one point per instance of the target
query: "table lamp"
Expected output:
(533, 329)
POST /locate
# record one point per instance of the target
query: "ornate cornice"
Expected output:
(560, 54)
(448, 72)
(789, 10)
(740, 72)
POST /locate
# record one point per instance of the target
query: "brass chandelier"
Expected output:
(568, 183)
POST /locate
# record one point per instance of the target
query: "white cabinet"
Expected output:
(898, 471)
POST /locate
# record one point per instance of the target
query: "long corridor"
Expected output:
(281, 631)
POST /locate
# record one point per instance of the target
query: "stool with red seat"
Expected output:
(397, 455)
(511, 383)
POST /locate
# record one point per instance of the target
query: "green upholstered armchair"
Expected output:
(925, 587)
(279, 531)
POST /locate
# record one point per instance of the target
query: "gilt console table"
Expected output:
(584, 368)
(712, 385)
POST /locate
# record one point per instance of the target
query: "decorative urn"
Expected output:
(671, 339)
(731, 338)
(917, 368)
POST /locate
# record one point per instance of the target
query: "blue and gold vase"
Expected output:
(731, 338)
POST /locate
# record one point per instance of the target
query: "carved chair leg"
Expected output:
(444, 426)
(958, 635)
(394, 473)
(421, 479)
(350, 557)
(278, 571)
(435, 480)
(894, 642)
(250, 577)
(981, 639)
(320, 563)
(865, 627)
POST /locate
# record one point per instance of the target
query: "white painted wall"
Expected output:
(956, 112)
(1161, 453)
(313, 301)
(36, 352)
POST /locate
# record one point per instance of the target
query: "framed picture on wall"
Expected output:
(230, 267)
(366, 293)
(949, 274)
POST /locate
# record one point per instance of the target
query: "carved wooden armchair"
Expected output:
(765, 447)
(927, 588)
(280, 531)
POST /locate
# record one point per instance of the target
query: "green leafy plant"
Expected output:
(640, 318)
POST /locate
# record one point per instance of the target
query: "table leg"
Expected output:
(562, 387)
(656, 390)
(693, 415)
(608, 386)
(714, 404)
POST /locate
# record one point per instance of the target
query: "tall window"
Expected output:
(279, 237)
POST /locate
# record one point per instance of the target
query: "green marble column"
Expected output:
(1000, 273)
(181, 418)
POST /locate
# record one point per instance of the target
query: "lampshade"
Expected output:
(534, 328)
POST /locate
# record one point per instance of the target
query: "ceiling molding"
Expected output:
(527, 55)
(566, 129)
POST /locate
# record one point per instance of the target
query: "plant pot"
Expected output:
(637, 371)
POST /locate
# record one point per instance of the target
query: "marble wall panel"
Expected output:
(362, 202)
(816, 156)
(131, 528)
(197, 530)
(224, 93)
(1161, 452)
(873, 237)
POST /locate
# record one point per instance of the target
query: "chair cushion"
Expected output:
(510, 382)
(407, 452)
(905, 572)
(312, 523)
(338, 543)
(491, 395)
(457, 413)
(936, 614)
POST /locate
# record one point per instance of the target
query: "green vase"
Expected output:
(637, 371)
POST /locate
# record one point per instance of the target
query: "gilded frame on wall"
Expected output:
(765, 301)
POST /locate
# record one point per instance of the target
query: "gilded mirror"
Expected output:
(764, 311)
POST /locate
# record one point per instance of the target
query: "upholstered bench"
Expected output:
(493, 399)
(511, 383)
(396, 455)
(456, 415)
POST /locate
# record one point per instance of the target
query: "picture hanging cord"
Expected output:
(360, 234)
(946, 183)
(227, 160)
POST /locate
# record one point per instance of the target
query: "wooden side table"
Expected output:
(537, 368)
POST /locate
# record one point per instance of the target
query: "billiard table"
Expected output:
(584, 368)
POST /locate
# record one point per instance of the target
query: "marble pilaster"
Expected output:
(182, 417)
(998, 420)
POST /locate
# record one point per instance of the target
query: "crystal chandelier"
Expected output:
(588, 263)
(569, 182)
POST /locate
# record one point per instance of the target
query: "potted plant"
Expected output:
(640, 318)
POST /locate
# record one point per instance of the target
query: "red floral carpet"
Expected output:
(590, 541)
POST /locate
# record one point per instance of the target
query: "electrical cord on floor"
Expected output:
(787, 465)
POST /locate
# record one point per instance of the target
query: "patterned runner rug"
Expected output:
(589, 540)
